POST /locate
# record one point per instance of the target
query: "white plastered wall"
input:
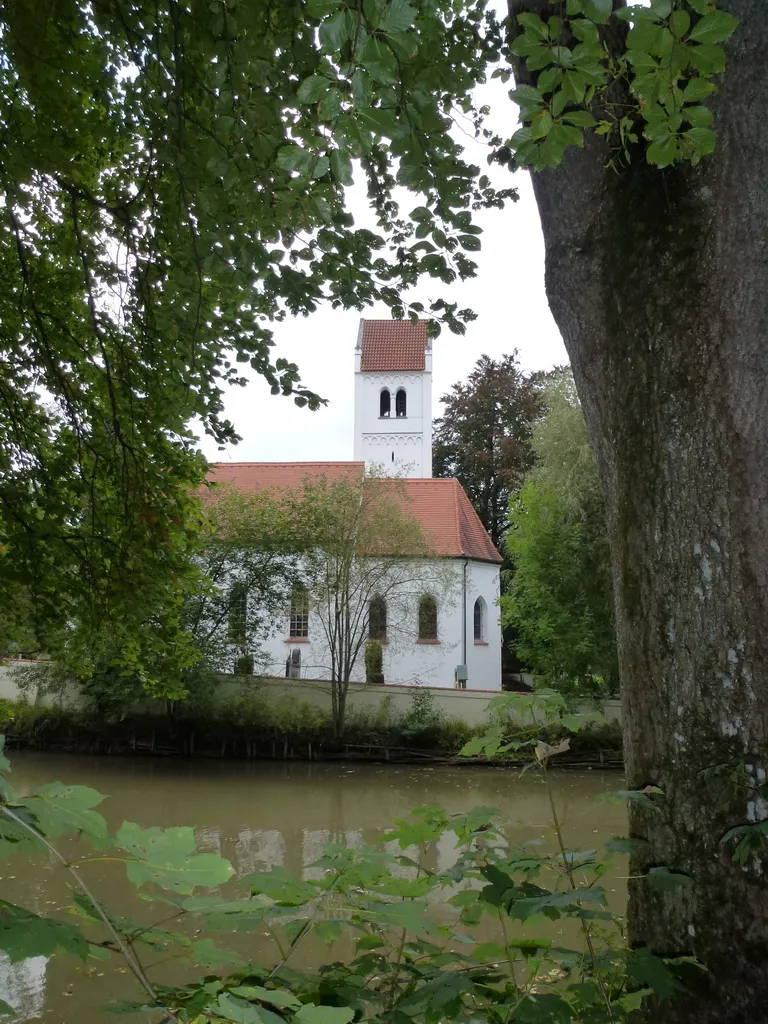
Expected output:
(406, 660)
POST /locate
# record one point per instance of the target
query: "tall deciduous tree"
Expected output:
(362, 545)
(483, 436)
(657, 281)
(560, 598)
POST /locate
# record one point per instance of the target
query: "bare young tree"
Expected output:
(366, 547)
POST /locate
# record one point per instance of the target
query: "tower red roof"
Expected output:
(393, 345)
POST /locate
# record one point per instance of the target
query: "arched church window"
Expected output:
(400, 402)
(377, 619)
(237, 614)
(384, 402)
(427, 618)
(299, 621)
(479, 620)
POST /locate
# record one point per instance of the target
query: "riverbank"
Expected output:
(253, 730)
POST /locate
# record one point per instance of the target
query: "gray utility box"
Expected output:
(460, 677)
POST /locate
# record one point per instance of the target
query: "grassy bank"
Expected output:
(252, 727)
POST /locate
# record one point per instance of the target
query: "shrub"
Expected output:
(374, 662)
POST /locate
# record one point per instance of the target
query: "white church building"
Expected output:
(446, 614)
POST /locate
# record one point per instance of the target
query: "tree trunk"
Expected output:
(658, 281)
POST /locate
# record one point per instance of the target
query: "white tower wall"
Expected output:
(395, 445)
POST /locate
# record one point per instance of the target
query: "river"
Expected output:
(258, 815)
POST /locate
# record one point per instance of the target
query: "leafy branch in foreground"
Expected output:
(629, 72)
(172, 183)
(419, 942)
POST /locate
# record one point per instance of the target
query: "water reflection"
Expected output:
(261, 816)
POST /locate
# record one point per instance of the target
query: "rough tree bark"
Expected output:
(658, 281)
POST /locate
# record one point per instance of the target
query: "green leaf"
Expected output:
(549, 79)
(328, 931)
(533, 23)
(646, 969)
(714, 28)
(205, 954)
(379, 60)
(528, 99)
(707, 58)
(399, 16)
(65, 810)
(341, 165)
(335, 31)
(281, 886)
(637, 796)
(698, 89)
(541, 124)
(311, 1014)
(294, 158)
(703, 140)
(274, 996)
(698, 116)
(24, 935)
(313, 88)
(329, 108)
(361, 89)
(664, 880)
(643, 36)
(167, 857)
(679, 23)
(598, 10)
(5, 1008)
(554, 905)
(232, 1008)
(633, 1000)
(583, 119)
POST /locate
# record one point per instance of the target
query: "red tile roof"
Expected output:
(253, 476)
(393, 345)
(448, 518)
(441, 506)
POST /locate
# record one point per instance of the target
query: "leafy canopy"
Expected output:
(172, 183)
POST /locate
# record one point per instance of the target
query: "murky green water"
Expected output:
(257, 816)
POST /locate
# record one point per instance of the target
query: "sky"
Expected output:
(507, 294)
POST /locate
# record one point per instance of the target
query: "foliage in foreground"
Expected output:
(412, 926)
(559, 600)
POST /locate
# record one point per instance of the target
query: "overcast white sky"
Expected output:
(507, 294)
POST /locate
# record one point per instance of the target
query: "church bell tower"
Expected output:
(393, 397)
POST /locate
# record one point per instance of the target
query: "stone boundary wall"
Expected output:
(469, 706)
